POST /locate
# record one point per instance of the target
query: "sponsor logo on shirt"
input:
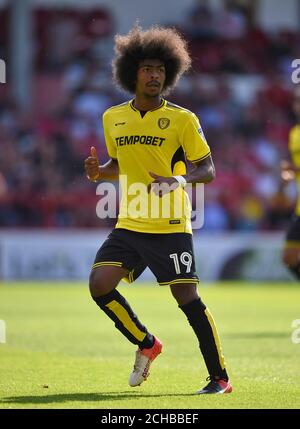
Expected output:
(147, 140)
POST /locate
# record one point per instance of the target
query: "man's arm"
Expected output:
(201, 172)
(95, 171)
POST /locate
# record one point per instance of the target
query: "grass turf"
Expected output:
(61, 351)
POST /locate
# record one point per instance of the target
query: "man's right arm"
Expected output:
(95, 171)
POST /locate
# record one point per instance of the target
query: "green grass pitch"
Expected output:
(61, 351)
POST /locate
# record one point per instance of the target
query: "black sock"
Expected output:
(203, 325)
(295, 270)
(126, 321)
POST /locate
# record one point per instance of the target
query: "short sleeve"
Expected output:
(193, 140)
(110, 144)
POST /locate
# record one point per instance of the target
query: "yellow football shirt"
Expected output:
(294, 148)
(158, 142)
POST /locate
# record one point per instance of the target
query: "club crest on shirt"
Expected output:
(163, 123)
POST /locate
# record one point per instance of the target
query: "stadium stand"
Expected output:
(239, 86)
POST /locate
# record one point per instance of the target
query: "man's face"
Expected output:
(151, 77)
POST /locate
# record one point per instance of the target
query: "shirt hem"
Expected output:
(156, 229)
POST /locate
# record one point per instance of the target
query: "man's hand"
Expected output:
(287, 171)
(162, 185)
(91, 165)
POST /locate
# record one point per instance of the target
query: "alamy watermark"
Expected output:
(296, 333)
(2, 332)
(296, 73)
(162, 201)
(2, 71)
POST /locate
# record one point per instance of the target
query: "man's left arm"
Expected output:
(196, 149)
(199, 172)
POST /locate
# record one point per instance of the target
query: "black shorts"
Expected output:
(170, 257)
(293, 233)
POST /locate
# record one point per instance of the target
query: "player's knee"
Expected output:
(105, 279)
(96, 284)
(184, 293)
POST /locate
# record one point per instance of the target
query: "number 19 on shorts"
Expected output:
(185, 258)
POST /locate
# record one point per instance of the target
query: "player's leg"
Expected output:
(291, 251)
(203, 324)
(103, 283)
(108, 270)
(290, 257)
(171, 258)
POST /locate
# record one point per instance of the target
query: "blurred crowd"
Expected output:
(239, 86)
